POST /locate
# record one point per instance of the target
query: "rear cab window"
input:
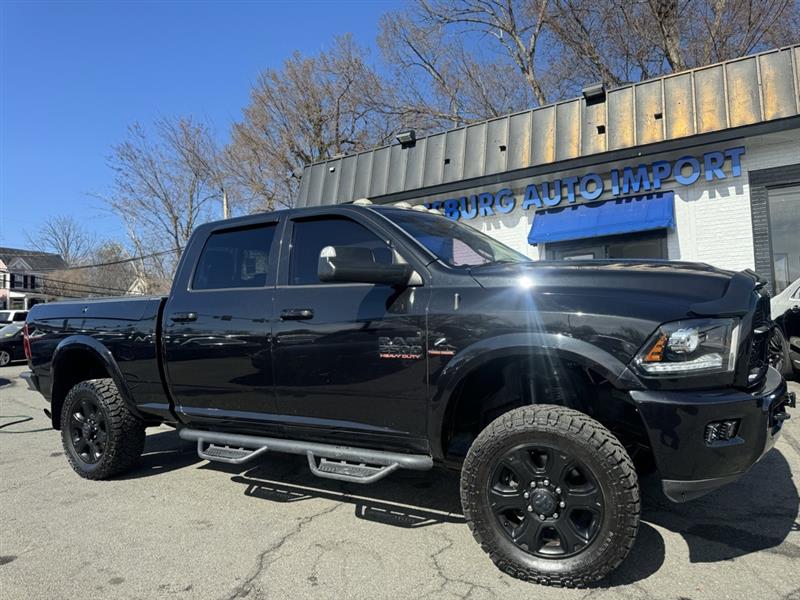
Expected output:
(235, 258)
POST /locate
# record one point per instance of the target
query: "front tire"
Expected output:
(101, 437)
(779, 353)
(551, 495)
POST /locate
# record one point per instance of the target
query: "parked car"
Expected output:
(12, 316)
(785, 340)
(370, 339)
(11, 340)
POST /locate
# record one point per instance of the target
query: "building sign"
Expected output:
(647, 177)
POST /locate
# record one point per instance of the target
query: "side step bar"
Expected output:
(344, 463)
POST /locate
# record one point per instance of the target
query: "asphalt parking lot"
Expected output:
(181, 528)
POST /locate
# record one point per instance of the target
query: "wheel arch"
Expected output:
(80, 358)
(553, 352)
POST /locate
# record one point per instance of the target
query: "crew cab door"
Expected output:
(217, 332)
(350, 360)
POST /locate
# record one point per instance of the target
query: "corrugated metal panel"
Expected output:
(543, 147)
(347, 179)
(568, 129)
(496, 146)
(415, 165)
(620, 118)
(777, 89)
(679, 109)
(649, 113)
(519, 141)
(434, 160)
(740, 92)
(474, 153)
(454, 155)
(744, 106)
(709, 96)
(380, 171)
(397, 169)
(330, 185)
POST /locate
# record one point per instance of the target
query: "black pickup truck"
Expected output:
(371, 339)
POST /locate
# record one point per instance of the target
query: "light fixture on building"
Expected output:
(406, 138)
(595, 93)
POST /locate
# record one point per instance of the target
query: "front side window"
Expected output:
(310, 236)
(453, 243)
(784, 225)
(236, 258)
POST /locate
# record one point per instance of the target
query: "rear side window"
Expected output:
(309, 236)
(237, 258)
(20, 316)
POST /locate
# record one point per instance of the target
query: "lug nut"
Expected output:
(558, 490)
(546, 482)
(526, 495)
(555, 515)
(562, 504)
(530, 509)
(542, 517)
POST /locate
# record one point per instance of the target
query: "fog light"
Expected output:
(721, 431)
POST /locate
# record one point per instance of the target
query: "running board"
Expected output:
(355, 465)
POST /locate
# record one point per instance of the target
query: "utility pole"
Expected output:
(224, 204)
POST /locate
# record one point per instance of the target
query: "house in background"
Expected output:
(22, 277)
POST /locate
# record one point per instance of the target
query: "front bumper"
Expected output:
(676, 422)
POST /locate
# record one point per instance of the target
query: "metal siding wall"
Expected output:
(347, 179)
(709, 91)
(415, 165)
(434, 160)
(519, 141)
(363, 174)
(305, 181)
(475, 151)
(315, 187)
(649, 113)
(543, 148)
(380, 171)
(496, 136)
(330, 183)
(620, 118)
(568, 129)
(744, 105)
(398, 156)
(679, 109)
(592, 141)
(777, 89)
(454, 155)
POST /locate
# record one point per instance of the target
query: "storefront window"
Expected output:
(784, 227)
(646, 245)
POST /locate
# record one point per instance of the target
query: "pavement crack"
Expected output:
(264, 559)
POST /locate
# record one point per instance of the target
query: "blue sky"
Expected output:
(74, 75)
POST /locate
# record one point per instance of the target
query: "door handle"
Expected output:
(183, 317)
(296, 314)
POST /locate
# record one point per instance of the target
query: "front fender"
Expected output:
(557, 347)
(99, 352)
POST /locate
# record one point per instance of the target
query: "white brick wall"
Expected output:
(712, 218)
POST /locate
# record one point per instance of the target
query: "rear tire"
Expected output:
(551, 495)
(101, 437)
(5, 358)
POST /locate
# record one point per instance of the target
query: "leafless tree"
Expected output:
(313, 108)
(165, 184)
(65, 236)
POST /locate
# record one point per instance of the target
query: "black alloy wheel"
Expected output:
(546, 501)
(778, 352)
(88, 432)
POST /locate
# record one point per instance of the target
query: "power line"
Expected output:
(111, 263)
(79, 284)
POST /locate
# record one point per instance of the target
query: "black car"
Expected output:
(785, 340)
(370, 339)
(11, 343)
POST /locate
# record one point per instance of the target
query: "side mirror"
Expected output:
(350, 264)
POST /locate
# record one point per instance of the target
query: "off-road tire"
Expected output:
(588, 441)
(779, 357)
(124, 431)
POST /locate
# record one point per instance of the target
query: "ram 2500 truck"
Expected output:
(371, 339)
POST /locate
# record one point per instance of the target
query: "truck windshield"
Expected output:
(453, 243)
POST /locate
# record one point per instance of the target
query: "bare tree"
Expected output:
(65, 236)
(313, 108)
(165, 184)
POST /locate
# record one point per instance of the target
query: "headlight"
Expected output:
(689, 347)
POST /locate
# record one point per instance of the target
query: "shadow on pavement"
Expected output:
(752, 515)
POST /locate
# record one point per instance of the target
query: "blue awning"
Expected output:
(611, 217)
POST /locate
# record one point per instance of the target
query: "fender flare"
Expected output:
(559, 346)
(86, 343)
